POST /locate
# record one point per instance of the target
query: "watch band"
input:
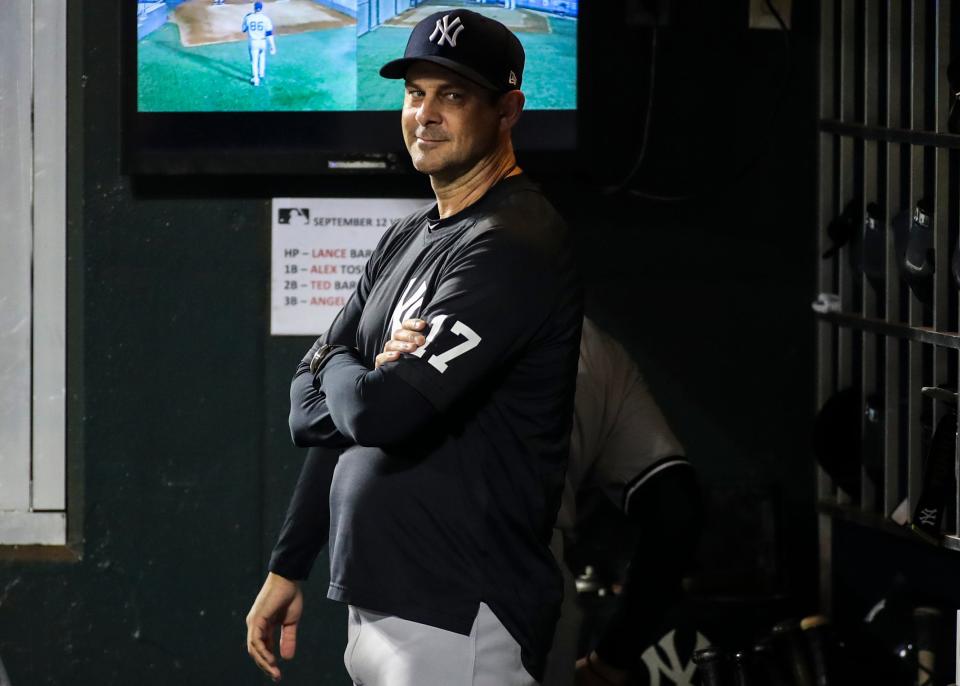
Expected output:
(320, 356)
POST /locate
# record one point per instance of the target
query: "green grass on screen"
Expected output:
(311, 71)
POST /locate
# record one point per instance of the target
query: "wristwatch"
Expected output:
(319, 357)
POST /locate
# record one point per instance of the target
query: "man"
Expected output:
(621, 448)
(259, 30)
(442, 503)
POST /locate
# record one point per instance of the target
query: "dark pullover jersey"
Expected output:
(448, 489)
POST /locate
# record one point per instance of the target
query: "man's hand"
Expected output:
(405, 340)
(592, 671)
(278, 605)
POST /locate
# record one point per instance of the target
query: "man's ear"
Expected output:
(511, 105)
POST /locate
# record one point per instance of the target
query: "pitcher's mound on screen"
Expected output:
(203, 23)
(516, 20)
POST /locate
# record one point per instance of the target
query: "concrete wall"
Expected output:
(346, 6)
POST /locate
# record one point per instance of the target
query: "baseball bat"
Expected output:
(743, 669)
(938, 480)
(822, 646)
(767, 668)
(792, 654)
(712, 666)
(926, 623)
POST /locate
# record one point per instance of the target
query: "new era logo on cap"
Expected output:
(512, 79)
(444, 26)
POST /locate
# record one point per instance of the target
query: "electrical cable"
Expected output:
(666, 198)
(644, 141)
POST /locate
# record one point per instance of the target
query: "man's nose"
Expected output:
(428, 113)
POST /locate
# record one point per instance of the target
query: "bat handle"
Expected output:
(712, 665)
(926, 622)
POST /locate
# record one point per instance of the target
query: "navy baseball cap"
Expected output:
(472, 45)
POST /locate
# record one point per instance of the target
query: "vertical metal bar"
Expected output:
(956, 520)
(941, 192)
(956, 664)
(915, 375)
(891, 206)
(871, 111)
(941, 223)
(845, 178)
(941, 239)
(826, 209)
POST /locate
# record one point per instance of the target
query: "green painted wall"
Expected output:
(179, 456)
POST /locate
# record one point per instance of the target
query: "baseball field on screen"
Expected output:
(192, 55)
(216, 78)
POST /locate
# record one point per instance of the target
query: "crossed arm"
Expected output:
(346, 403)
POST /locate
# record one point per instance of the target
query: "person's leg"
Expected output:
(353, 634)
(253, 63)
(389, 651)
(562, 659)
(263, 61)
(497, 661)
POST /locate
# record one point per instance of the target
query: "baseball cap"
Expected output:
(468, 43)
(838, 444)
(919, 259)
(843, 228)
(257, 6)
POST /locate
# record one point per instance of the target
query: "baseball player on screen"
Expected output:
(259, 29)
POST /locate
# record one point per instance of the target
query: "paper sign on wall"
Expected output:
(320, 246)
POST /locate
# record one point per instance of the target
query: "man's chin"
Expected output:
(427, 164)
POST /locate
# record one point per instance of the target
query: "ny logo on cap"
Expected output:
(443, 29)
(928, 516)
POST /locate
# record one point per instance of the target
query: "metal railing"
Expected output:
(883, 139)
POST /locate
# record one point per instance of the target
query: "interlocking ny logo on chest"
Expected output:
(443, 29)
(408, 305)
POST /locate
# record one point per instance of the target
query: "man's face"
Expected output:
(449, 123)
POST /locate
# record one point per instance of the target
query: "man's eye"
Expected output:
(453, 96)
(415, 93)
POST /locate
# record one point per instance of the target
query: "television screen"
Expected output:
(323, 55)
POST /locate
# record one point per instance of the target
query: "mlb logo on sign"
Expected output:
(286, 214)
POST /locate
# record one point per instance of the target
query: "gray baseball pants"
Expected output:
(384, 650)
